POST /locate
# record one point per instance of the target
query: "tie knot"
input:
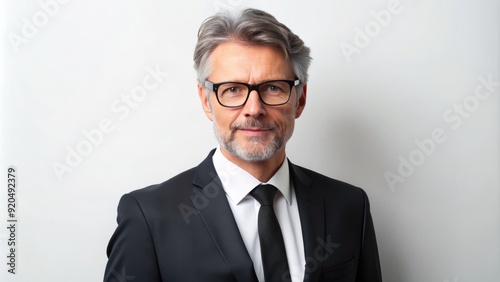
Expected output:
(264, 194)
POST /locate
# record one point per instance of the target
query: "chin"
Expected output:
(254, 152)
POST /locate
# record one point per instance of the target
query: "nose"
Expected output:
(254, 106)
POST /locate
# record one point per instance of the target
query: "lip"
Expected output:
(254, 131)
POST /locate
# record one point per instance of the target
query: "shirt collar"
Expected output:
(237, 182)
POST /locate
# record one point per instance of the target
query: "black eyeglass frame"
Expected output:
(215, 87)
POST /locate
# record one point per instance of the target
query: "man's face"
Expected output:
(253, 132)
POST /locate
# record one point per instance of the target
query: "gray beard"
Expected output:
(250, 154)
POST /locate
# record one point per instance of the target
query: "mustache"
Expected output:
(253, 123)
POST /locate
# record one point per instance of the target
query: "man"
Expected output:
(216, 222)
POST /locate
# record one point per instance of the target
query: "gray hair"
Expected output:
(253, 27)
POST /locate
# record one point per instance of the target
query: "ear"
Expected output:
(205, 101)
(302, 102)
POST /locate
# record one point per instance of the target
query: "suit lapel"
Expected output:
(219, 220)
(312, 219)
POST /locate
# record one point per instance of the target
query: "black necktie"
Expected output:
(272, 246)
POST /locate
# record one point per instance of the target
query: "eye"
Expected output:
(273, 88)
(234, 89)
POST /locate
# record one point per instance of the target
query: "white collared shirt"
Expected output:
(237, 183)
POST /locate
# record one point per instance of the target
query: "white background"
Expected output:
(365, 114)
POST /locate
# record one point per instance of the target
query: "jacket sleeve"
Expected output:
(131, 253)
(369, 264)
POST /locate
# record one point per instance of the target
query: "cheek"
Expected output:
(223, 120)
(289, 126)
(287, 120)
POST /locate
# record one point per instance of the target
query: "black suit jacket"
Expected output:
(184, 230)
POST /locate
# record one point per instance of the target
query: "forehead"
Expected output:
(236, 61)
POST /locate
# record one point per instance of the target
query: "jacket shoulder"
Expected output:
(328, 184)
(167, 194)
(179, 180)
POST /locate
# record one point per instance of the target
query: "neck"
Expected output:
(262, 170)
